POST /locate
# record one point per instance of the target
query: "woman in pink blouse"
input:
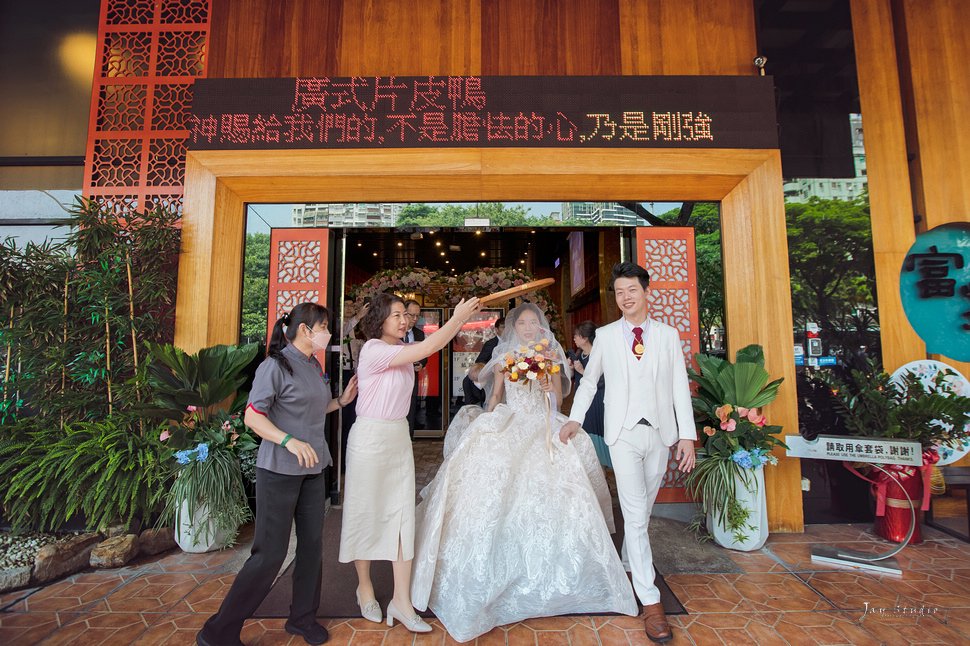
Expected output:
(378, 509)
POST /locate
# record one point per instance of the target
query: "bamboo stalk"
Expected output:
(131, 311)
(67, 281)
(134, 339)
(107, 354)
(6, 366)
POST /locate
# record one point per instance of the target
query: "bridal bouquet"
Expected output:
(530, 362)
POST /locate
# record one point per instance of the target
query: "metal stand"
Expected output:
(884, 563)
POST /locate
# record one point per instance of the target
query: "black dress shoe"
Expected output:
(312, 633)
(205, 640)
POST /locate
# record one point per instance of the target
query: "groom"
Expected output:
(648, 410)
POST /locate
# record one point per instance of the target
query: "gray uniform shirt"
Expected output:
(296, 404)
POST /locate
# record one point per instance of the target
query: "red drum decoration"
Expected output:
(893, 515)
(894, 524)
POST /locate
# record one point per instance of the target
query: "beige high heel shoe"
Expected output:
(370, 611)
(416, 624)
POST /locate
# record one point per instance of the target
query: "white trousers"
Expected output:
(639, 463)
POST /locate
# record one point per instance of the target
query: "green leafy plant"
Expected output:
(102, 469)
(872, 404)
(735, 434)
(204, 440)
(188, 388)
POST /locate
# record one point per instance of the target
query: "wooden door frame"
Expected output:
(747, 183)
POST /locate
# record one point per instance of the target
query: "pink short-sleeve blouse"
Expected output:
(383, 392)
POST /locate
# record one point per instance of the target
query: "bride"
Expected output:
(517, 524)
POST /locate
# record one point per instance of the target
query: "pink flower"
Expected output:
(164, 436)
(742, 411)
(723, 412)
(755, 417)
(191, 409)
(729, 425)
(709, 431)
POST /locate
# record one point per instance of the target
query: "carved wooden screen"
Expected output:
(150, 52)
(298, 261)
(668, 254)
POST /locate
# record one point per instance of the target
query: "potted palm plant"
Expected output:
(737, 443)
(205, 440)
(872, 403)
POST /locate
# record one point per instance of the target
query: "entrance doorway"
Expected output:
(435, 267)
(747, 182)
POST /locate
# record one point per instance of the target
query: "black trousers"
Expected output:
(279, 500)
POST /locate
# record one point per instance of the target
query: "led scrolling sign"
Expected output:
(484, 111)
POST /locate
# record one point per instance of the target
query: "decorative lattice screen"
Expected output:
(149, 54)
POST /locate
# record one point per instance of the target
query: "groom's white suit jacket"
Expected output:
(670, 388)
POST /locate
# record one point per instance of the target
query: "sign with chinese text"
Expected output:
(935, 288)
(484, 111)
(877, 450)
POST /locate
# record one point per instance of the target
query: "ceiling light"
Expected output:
(438, 243)
(483, 254)
(360, 244)
(375, 253)
(400, 244)
(447, 262)
(522, 262)
(478, 232)
(442, 253)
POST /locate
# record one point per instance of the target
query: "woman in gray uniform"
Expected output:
(287, 408)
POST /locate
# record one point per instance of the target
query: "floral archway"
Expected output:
(435, 289)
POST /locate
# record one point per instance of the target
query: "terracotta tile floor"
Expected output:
(780, 597)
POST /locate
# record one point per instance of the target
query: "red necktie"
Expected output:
(638, 342)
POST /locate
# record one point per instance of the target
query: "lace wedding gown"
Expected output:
(506, 532)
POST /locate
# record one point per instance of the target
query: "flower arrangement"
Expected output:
(737, 440)
(452, 289)
(530, 363)
(204, 441)
(930, 410)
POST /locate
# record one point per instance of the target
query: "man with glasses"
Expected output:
(414, 335)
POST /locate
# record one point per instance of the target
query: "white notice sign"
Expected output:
(877, 450)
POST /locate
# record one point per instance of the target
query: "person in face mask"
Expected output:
(287, 408)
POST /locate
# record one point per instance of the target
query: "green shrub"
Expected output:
(103, 470)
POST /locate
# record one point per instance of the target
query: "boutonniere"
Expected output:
(325, 377)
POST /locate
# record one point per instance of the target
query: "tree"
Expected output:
(831, 261)
(255, 288)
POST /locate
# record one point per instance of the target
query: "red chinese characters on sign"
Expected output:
(393, 111)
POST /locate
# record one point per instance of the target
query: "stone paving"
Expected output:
(780, 597)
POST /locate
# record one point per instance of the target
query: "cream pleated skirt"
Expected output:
(378, 509)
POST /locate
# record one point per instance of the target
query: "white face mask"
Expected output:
(320, 340)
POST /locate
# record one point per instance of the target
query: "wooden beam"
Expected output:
(757, 304)
(890, 195)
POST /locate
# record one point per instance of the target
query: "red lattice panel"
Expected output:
(668, 254)
(149, 54)
(297, 270)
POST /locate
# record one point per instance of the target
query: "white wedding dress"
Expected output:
(506, 532)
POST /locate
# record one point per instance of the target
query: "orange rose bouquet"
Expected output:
(531, 362)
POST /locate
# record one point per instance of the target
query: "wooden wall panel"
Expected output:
(937, 48)
(890, 197)
(259, 39)
(552, 37)
(255, 38)
(687, 37)
(407, 37)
